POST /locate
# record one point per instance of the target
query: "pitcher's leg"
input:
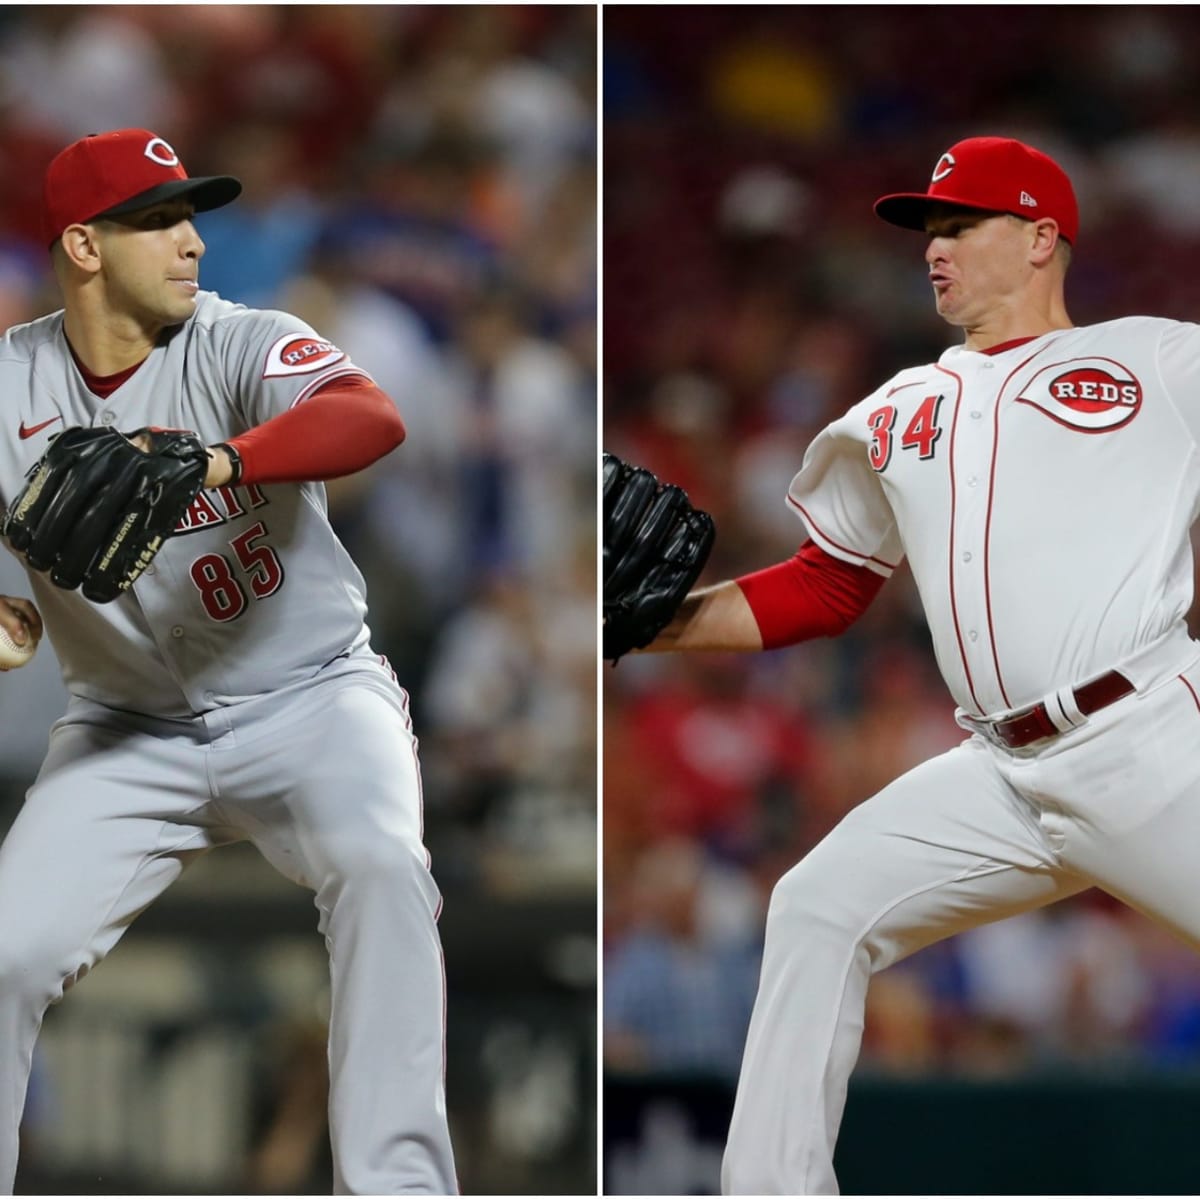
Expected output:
(349, 826)
(88, 851)
(946, 847)
(1125, 791)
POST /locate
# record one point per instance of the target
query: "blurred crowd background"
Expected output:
(751, 296)
(420, 185)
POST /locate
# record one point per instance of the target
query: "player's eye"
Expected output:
(164, 220)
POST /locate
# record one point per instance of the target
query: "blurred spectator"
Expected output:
(677, 996)
(254, 247)
(774, 83)
(528, 440)
(412, 227)
(719, 751)
(66, 74)
(291, 1155)
(1066, 979)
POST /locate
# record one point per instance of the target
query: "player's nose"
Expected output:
(937, 250)
(192, 244)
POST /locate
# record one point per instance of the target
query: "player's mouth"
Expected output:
(939, 281)
(189, 285)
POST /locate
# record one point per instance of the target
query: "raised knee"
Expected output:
(810, 907)
(800, 897)
(371, 860)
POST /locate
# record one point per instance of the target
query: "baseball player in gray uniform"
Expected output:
(1041, 479)
(232, 693)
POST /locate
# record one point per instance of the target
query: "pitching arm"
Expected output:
(810, 595)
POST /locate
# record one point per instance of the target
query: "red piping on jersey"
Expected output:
(962, 650)
(810, 595)
(328, 376)
(1192, 690)
(1000, 349)
(837, 545)
(987, 527)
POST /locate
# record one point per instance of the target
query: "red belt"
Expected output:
(1032, 724)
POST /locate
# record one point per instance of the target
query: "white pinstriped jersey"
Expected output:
(255, 592)
(1043, 496)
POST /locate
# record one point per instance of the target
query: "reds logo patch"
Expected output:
(1093, 395)
(296, 354)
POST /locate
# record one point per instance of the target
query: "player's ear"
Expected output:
(1045, 238)
(80, 247)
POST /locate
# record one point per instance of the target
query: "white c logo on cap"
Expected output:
(160, 152)
(945, 165)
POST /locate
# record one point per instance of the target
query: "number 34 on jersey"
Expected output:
(921, 433)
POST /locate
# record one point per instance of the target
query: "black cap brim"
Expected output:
(909, 209)
(206, 192)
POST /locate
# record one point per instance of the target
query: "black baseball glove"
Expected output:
(95, 509)
(655, 546)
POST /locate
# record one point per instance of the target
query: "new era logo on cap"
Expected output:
(999, 175)
(107, 174)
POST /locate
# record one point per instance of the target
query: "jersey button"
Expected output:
(972, 482)
(209, 697)
(976, 415)
(973, 635)
(107, 418)
(966, 556)
(177, 631)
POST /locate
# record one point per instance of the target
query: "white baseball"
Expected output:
(12, 655)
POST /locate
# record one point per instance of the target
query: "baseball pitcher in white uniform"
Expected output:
(231, 693)
(1041, 480)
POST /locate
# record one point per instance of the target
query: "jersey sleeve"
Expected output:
(1179, 366)
(275, 361)
(841, 501)
(811, 595)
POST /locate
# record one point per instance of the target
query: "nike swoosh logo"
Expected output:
(901, 386)
(28, 431)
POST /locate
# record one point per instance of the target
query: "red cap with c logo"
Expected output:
(107, 174)
(995, 174)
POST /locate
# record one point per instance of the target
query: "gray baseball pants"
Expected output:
(323, 778)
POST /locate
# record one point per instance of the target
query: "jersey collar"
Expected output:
(1011, 345)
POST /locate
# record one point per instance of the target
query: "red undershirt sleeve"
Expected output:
(341, 428)
(811, 595)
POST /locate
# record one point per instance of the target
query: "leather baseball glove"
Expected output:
(655, 546)
(96, 509)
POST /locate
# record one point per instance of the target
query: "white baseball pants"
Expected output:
(324, 780)
(969, 837)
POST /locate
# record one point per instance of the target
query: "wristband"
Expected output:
(235, 461)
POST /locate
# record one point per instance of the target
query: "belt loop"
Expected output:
(1063, 711)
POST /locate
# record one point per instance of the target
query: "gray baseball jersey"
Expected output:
(255, 591)
(197, 702)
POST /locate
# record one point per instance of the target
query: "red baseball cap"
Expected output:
(994, 174)
(107, 174)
